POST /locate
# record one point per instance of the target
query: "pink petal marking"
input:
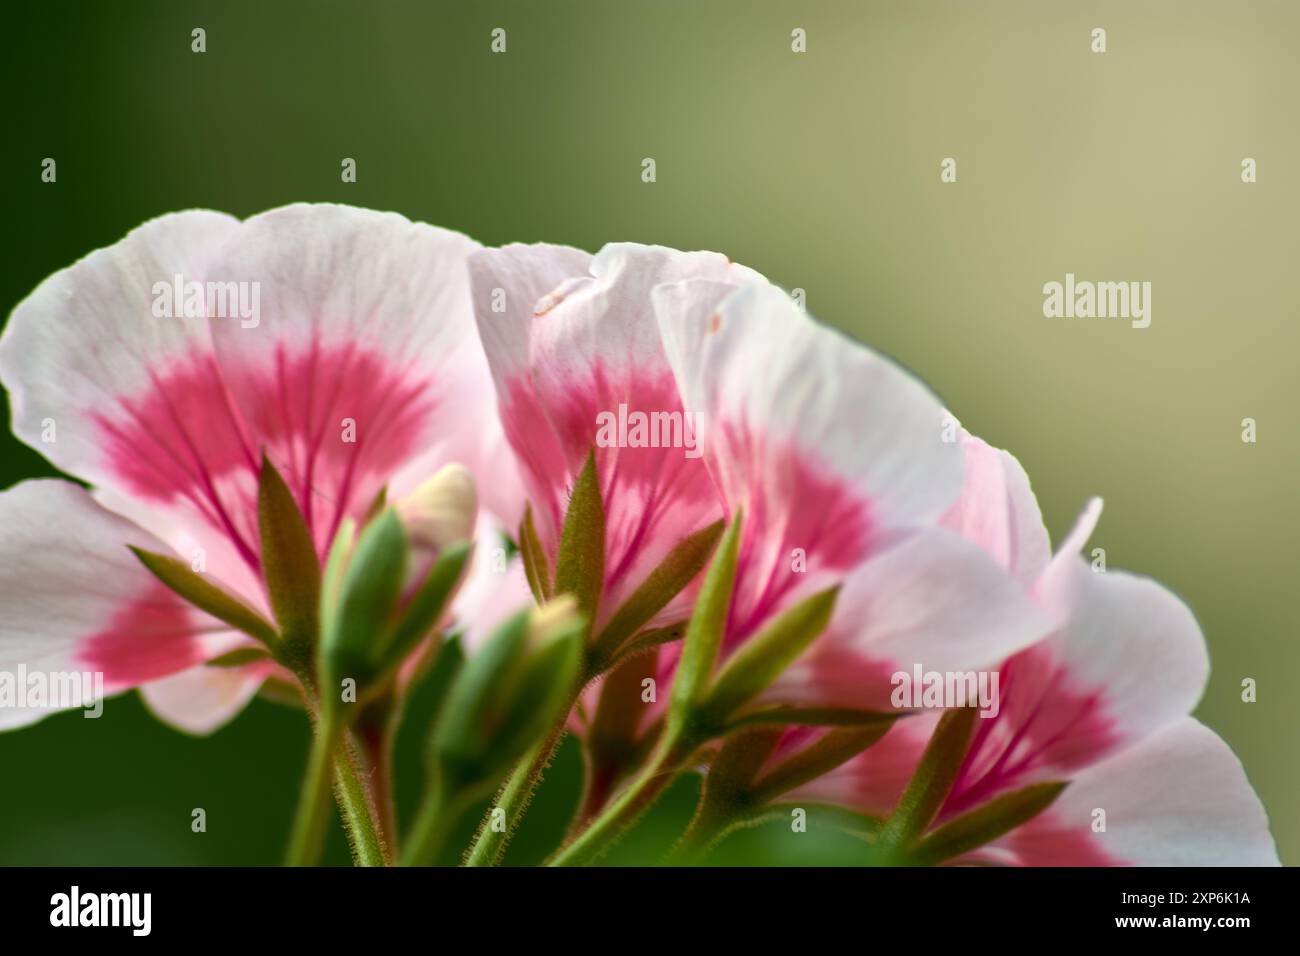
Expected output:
(179, 438)
(543, 462)
(790, 502)
(151, 637)
(654, 496)
(297, 406)
(1043, 723)
(187, 436)
(1047, 840)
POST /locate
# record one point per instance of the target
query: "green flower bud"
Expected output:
(506, 695)
(362, 587)
(373, 612)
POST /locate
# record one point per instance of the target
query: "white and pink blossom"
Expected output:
(1102, 703)
(363, 371)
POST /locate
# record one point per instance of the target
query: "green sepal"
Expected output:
(536, 568)
(985, 823)
(831, 750)
(336, 564)
(546, 688)
(932, 779)
(726, 794)
(859, 825)
(239, 657)
(661, 585)
(762, 658)
(426, 607)
(467, 713)
(705, 630)
(647, 641)
(736, 792)
(614, 730)
(289, 564)
(580, 564)
(736, 765)
(353, 643)
(206, 596)
(813, 717)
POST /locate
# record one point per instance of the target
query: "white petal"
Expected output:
(365, 357)
(932, 601)
(77, 601)
(1178, 798)
(77, 352)
(87, 336)
(1135, 643)
(593, 357)
(998, 511)
(1128, 660)
(203, 699)
(507, 285)
(494, 588)
(760, 365)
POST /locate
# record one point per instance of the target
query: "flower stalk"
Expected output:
(669, 759)
(489, 843)
(307, 835)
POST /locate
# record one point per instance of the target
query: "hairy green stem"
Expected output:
(698, 840)
(356, 806)
(307, 836)
(489, 843)
(707, 831)
(626, 809)
(375, 730)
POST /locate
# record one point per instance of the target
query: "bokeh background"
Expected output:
(819, 169)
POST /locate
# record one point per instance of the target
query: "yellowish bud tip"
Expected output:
(442, 510)
(552, 618)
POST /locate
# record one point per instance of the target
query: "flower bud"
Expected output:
(440, 512)
(361, 589)
(506, 695)
(374, 613)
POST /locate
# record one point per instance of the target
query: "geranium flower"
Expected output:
(1102, 704)
(833, 464)
(838, 461)
(573, 347)
(834, 453)
(337, 342)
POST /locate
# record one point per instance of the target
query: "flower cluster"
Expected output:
(640, 497)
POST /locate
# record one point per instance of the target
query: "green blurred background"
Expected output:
(819, 169)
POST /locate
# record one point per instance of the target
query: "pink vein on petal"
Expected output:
(184, 437)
